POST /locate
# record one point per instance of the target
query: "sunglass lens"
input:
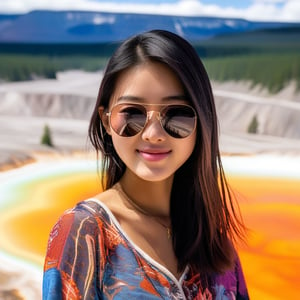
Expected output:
(179, 121)
(128, 120)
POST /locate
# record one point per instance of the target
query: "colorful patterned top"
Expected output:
(90, 257)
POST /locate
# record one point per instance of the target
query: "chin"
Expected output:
(154, 176)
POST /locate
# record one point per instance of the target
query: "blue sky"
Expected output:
(257, 10)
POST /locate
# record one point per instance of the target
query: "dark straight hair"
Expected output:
(205, 220)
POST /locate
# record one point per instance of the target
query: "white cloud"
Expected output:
(265, 10)
(270, 1)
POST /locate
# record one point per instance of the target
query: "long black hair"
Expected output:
(204, 218)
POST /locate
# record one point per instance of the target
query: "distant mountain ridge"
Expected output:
(98, 27)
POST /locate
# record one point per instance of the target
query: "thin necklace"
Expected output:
(119, 188)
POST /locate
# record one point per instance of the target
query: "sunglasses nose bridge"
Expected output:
(153, 129)
(151, 113)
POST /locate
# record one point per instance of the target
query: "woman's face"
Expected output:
(152, 154)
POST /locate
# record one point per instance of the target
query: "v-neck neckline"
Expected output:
(141, 252)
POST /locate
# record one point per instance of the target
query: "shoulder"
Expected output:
(76, 251)
(88, 217)
(87, 212)
(76, 228)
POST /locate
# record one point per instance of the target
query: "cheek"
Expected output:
(123, 146)
(184, 148)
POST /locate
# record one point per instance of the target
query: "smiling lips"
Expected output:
(154, 155)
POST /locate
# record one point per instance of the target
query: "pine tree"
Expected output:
(253, 126)
(46, 137)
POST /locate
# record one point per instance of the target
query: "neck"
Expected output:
(151, 197)
(162, 220)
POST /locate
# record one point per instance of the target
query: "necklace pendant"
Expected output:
(169, 233)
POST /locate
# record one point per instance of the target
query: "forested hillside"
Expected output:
(269, 57)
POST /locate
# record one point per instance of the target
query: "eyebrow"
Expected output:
(167, 98)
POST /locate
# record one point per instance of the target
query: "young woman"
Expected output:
(164, 226)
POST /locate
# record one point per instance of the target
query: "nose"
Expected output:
(153, 131)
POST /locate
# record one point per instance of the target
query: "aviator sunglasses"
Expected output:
(129, 119)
